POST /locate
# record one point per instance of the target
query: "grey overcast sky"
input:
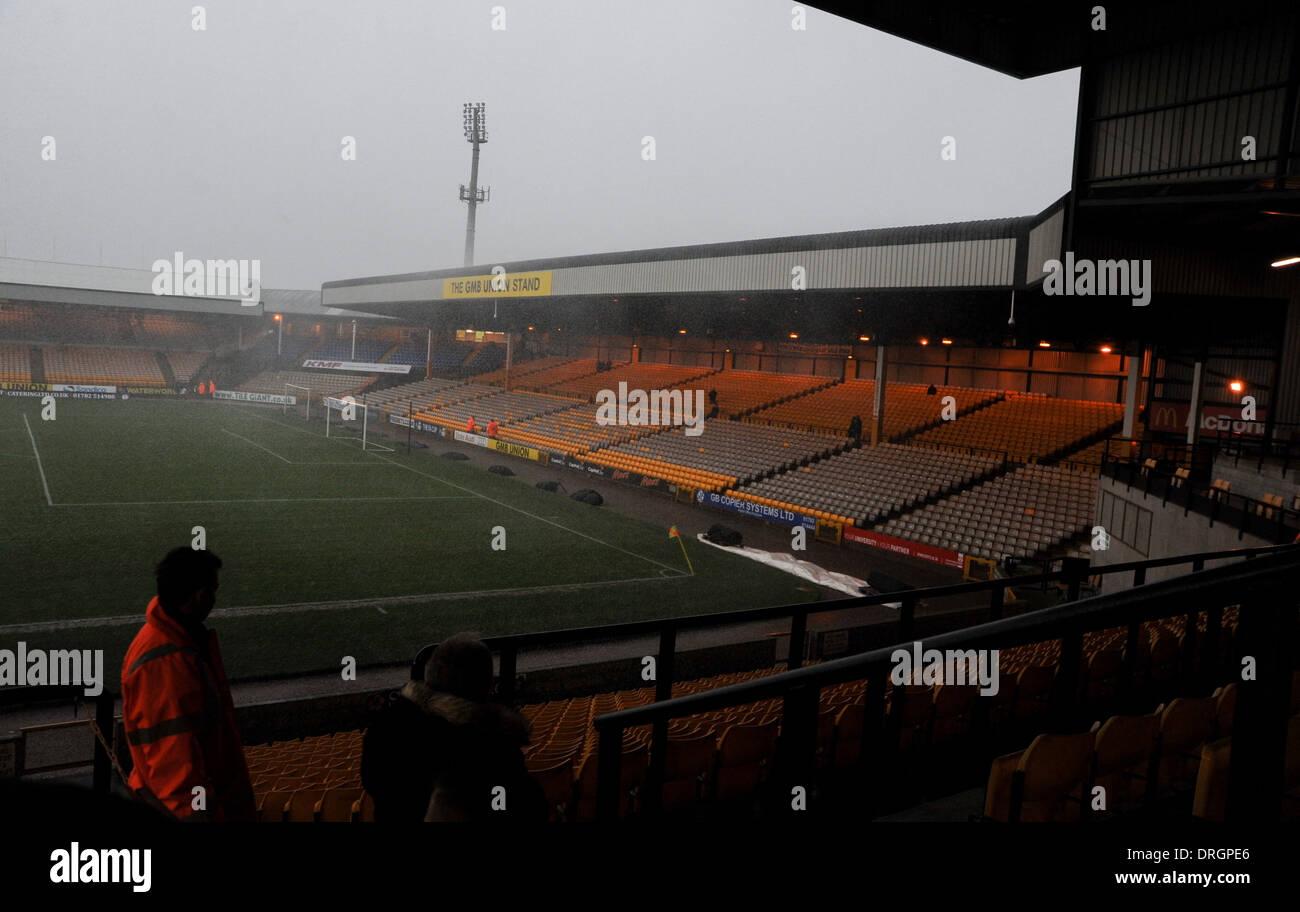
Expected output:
(227, 142)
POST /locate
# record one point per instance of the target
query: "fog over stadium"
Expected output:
(226, 142)
(696, 412)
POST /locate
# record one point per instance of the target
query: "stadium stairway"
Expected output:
(961, 413)
(997, 472)
(1064, 453)
(383, 359)
(37, 356)
(165, 366)
(746, 413)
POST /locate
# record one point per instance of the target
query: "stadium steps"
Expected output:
(917, 431)
(307, 354)
(1064, 453)
(391, 351)
(37, 357)
(745, 413)
(473, 353)
(169, 376)
(990, 475)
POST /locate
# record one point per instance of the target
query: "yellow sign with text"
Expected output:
(499, 285)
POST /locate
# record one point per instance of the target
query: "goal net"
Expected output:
(348, 419)
(302, 400)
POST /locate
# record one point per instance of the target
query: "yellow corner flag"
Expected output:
(673, 533)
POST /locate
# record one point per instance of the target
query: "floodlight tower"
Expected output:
(475, 123)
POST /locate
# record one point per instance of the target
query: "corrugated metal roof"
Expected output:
(299, 301)
(946, 232)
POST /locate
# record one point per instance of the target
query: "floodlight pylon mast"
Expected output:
(475, 124)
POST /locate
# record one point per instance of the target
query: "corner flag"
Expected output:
(673, 533)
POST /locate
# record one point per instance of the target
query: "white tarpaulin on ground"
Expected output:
(800, 568)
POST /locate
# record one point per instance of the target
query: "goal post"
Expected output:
(348, 419)
(302, 393)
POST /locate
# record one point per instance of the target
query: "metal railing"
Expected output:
(1265, 587)
(1275, 523)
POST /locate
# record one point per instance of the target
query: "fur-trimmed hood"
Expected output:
(488, 718)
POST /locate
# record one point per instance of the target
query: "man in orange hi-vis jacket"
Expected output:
(176, 705)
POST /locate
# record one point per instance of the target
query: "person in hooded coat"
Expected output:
(441, 750)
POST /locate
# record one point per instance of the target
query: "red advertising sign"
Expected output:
(904, 547)
(1216, 420)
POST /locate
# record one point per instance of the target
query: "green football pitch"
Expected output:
(329, 550)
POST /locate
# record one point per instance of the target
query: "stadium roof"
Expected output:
(46, 282)
(1025, 38)
(297, 302)
(990, 254)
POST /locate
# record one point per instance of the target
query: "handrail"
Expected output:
(1071, 573)
(1013, 631)
(1250, 516)
(1068, 622)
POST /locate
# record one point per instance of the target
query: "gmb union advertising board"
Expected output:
(758, 510)
(501, 446)
(500, 285)
(903, 546)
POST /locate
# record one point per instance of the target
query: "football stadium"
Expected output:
(990, 522)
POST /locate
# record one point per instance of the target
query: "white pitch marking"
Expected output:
(45, 484)
(258, 445)
(498, 503)
(174, 503)
(297, 607)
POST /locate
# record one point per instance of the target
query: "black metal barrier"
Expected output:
(1245, 514)
(1265, 587)
(1071, 575)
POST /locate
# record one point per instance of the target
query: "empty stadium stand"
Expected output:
(641, 375)
(570, 431)
(726, 450)
(367, 350)
(520, 369)
(185, 365)
(908, 408)
(15, 362)
(407, 353)
(1024, 513)
(320, 384)
(863, 485)
(1031, 428)
(78, 364)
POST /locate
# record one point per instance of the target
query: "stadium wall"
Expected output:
(1066, 374)
(1146, 527)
